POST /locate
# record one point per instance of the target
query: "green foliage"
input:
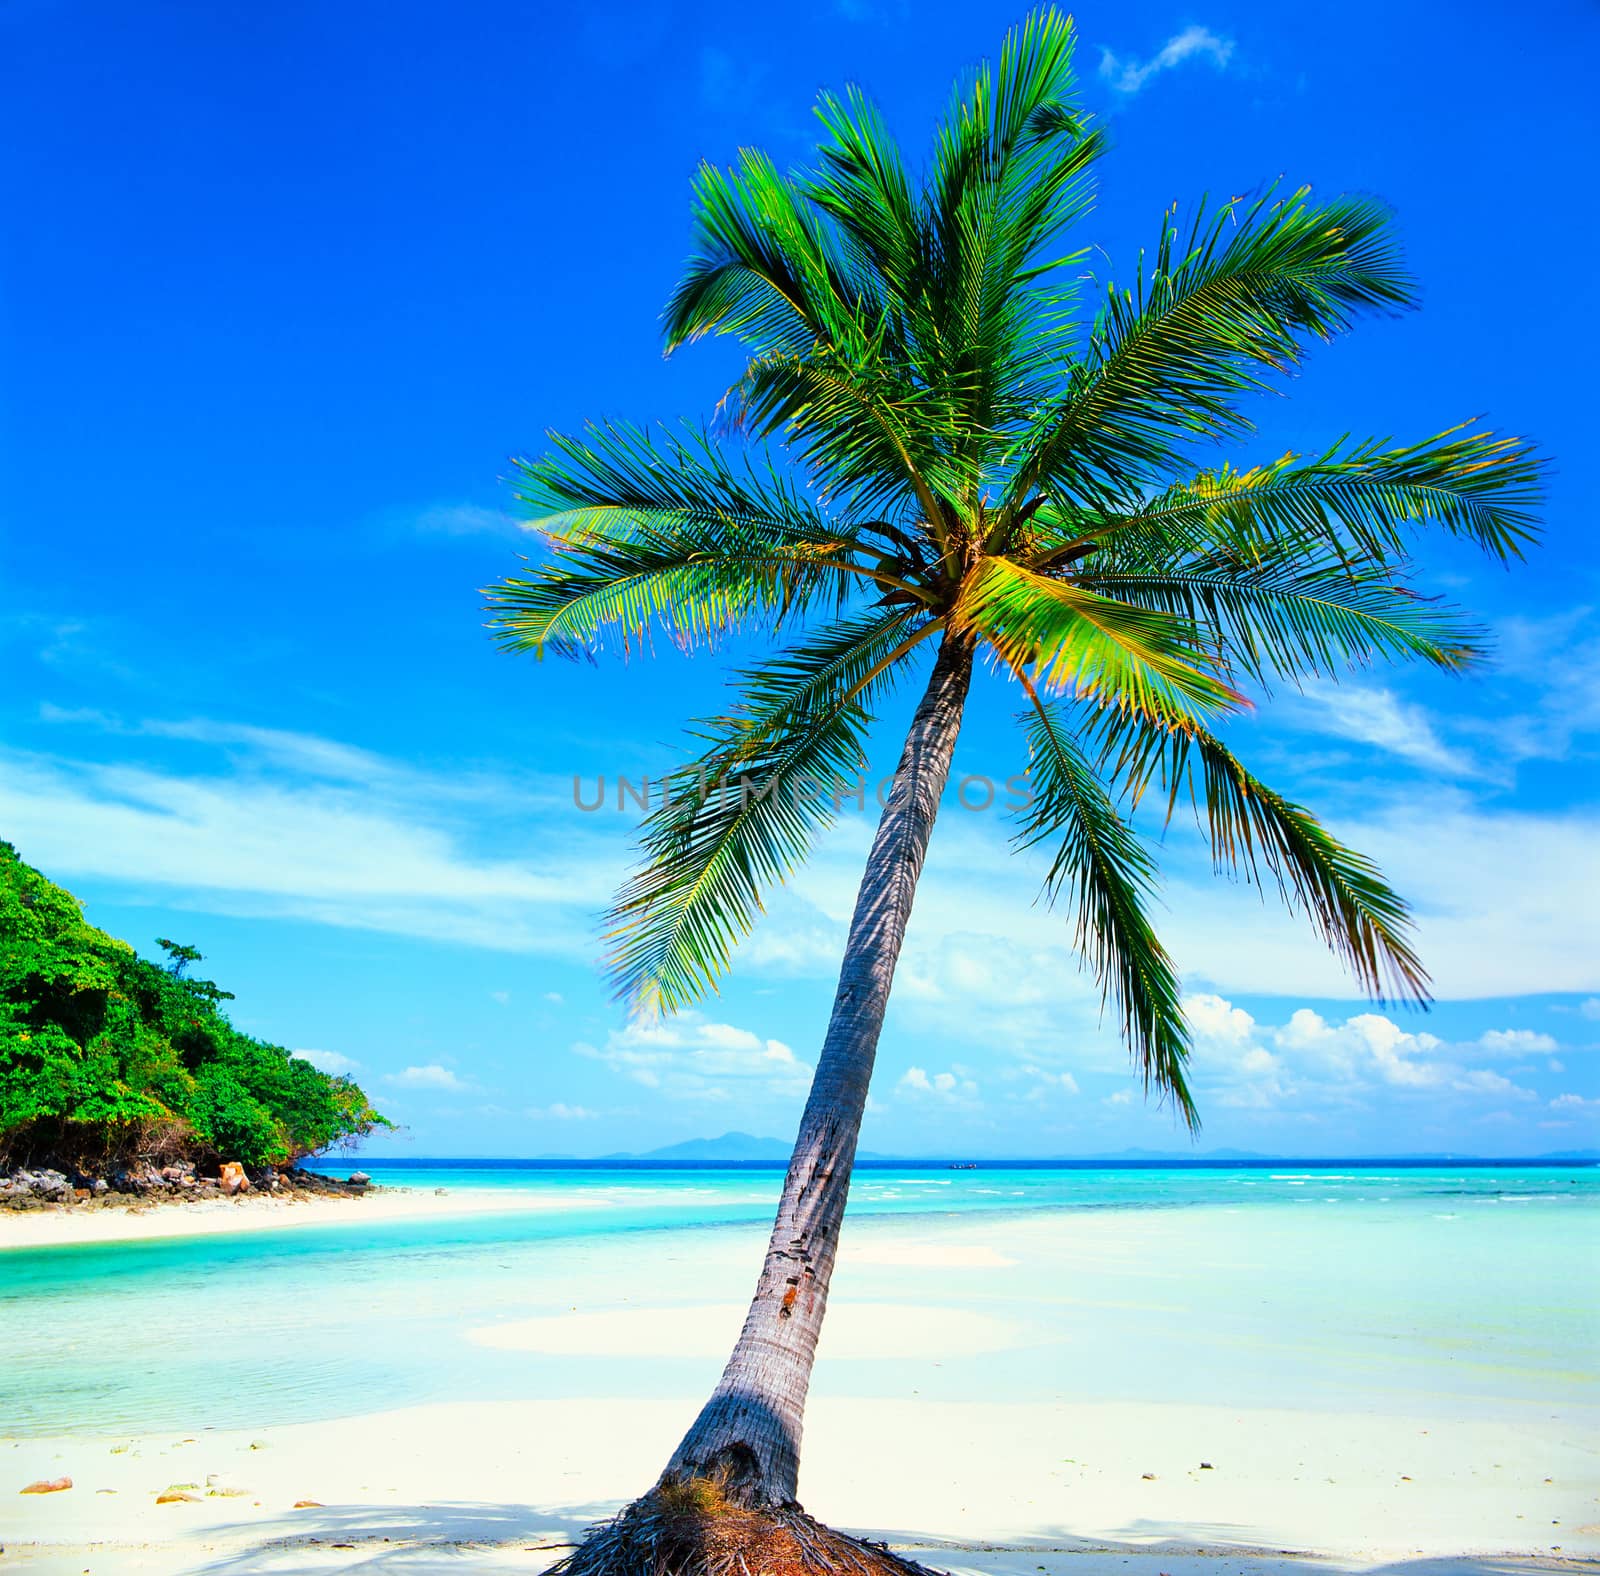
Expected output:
(981, 458)
(105, 1054)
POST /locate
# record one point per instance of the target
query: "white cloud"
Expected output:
(429, 1076)
(1516, 1042)
(953, 1086)
(1591, 1008)
(1219, 1022)
(691, 1058)
(1047, 1083)
(1128, 76)
(469, 519)
(1376, 716)
(327, 1061)
(1481, 1081)
(561, 1112)
(1503, 902)
(1310, 1064)
(295, 826)
(1574, 1103)
(301, 752)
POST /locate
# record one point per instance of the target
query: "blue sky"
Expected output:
(285, 287)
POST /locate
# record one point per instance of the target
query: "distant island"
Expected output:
(746, 1149)
(120, 1075)
(730, 1146)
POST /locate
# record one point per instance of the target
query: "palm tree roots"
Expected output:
(692, 1528)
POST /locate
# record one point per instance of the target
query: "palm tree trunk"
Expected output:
(747, 1435)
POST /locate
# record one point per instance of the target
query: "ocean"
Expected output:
(1339, 1285)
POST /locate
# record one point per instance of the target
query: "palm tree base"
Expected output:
(693, 1528)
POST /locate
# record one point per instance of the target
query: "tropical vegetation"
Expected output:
(951, 438)
(107, 1058)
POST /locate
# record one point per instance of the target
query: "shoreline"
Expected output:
(1133, 1396)
(143, 1220)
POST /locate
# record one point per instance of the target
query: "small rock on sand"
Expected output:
(171, 1498)
(48, 1486)
(308, 1504)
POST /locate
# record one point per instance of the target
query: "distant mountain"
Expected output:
(730, 1146)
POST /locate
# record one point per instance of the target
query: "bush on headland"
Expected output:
(114, 1066)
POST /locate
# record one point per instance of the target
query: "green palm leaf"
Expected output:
(1361, 501)
(1106, 652)
(1099, 865)
(740, 817)
(1168, 360)
(1296, 615)
(1251, 827)
(968, 457)
(662, 530)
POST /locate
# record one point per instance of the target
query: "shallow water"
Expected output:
(1376, 1288)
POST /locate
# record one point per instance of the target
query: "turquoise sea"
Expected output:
(1349, 1284)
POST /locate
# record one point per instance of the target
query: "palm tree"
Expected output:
(931, 450)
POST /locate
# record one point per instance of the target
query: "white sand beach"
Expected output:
(1014, 1396)
(137, 1222)
(499, 1487)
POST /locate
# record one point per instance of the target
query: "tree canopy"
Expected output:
(939, 433)
(106, 1056)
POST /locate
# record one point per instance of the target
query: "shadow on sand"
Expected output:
(463, 1539)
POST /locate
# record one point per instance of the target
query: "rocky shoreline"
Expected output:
(125, 1187)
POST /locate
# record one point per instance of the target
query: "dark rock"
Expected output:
(48, 1184)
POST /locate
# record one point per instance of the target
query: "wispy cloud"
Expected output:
(1376, 716)
(1503, 899)
(1128, 75)
(290, 825)
(689, 1057)
(469, 519)
(430, 1076)
(327, 1061)
(561, 1112)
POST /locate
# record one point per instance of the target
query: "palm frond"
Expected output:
(1104, 651)
(1169, 359)
(616, 481)
(1362, 501)
(1009, 175)
(865, 429)
(1250, 826)
(740, 817)
(661, 529)
(1107, 876)
(767, 267)
(1296, 614)
(597, 593)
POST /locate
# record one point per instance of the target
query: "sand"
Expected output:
(52, 1228)
(494, 1487)
(995, 1456)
